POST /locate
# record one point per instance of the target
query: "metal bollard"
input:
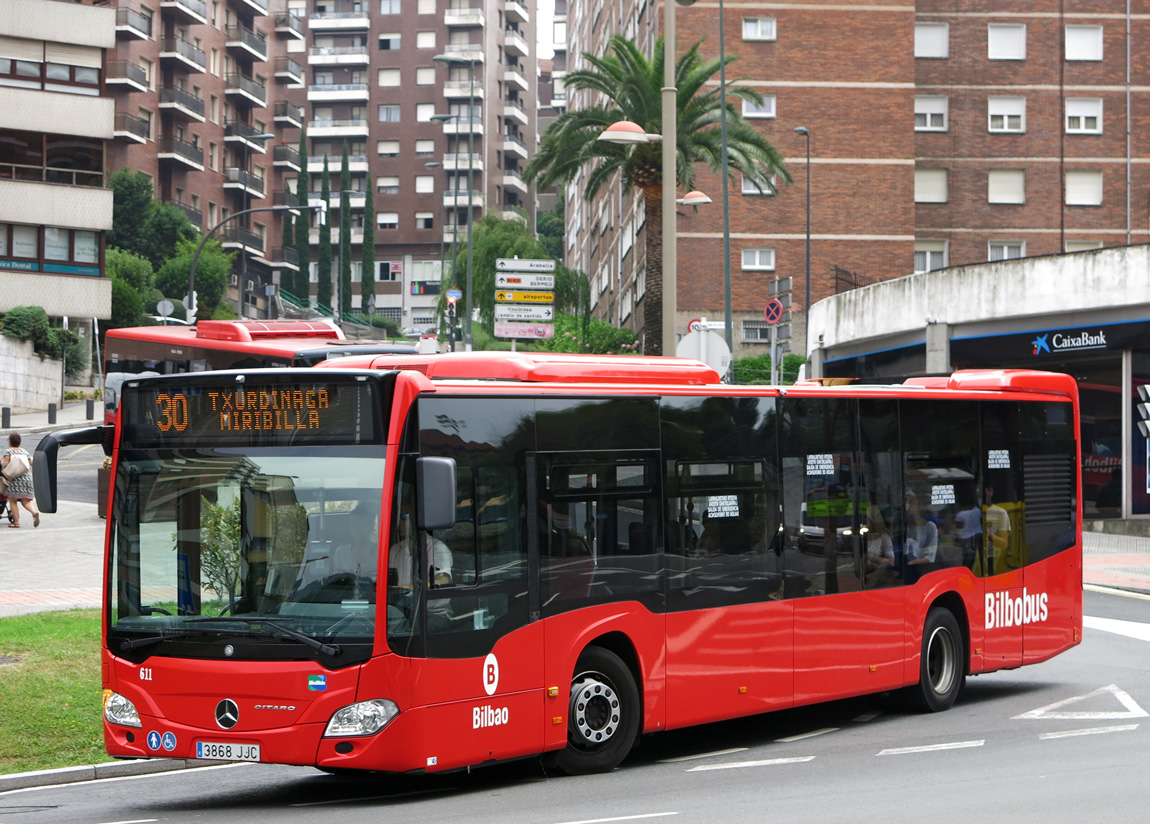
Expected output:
(90, 409)
(6, 418)
(51, 413)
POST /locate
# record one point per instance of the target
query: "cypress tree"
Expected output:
(367, 277)
(344, 235)
(323, 287)
(301, 284)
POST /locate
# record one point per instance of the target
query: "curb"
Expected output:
(92, 772)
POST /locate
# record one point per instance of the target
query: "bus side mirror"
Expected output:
(435, 493)
(44, 460)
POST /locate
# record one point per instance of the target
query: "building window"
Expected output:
(389, 77)
(750, 186)
(930, 186)
(386, 270)
(387, 185)
(1006, 186)
(765, 109)
(930, 113)
(1083, 245)
(425, 40)
(389, 42)
(759, 259)
(425, 148)
(423, 112)
(424, 184)
(424, 220)
(1007, 250)
(932, 40)
(388, 113)
(389, 6)
(1084, 188)
(929, 255)
(425, 76)
(759, 28)
(756, 331)
(1084, 115)
(426, 7)
(387, 148)
(1083, 42)
(1006, 114)
(1005, 41)
(388, 220)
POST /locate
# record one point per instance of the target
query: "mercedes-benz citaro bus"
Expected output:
(428, 563)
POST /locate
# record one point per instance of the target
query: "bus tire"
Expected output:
(602, 717)
(941, 669)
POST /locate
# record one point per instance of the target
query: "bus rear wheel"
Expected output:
(602, 717)
(941, 669)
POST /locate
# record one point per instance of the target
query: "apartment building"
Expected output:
(54, 126)
(938, 135)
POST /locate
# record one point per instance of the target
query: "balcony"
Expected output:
(513, 110)
(339, 21)
(132, 25)
(290, 27)
(289, 71)
(185, 11)
(182, 102)
(238, 179)
(465, 51)
(514, 76)
(131, 128)
(514, 42)
(338, 93)
(285, 197)
(462, 90)
(181, 152)
(462, 162)
(356, 236)
(123, 74)
(183, 54)
(337, 128)
(246, 43)
(463, 125)
(245, 90)
(283, 257)
(513, 144)
(237, 133)
(339, 56)
(237, 237)
(459, 199)
(194, 215)
(49, 174)
(515, 11)
(512, 179)
(464, 17)
(288, 114)
(259, 8)
(356, 164)
(286, 157)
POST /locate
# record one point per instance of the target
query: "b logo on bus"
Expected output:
(1004, 611)
(490, 674)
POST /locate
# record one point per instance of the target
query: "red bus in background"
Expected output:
(143, 351)
(428, 563)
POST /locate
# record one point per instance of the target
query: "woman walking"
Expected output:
(20, 490)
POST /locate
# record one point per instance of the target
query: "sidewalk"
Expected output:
(72, 416)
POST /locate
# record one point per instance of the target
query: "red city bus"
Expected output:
(428, 563)
(143, 351)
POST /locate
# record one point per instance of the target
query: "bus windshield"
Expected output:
(258, 541)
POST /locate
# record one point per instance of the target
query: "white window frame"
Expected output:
(1006, 108)
(1084, 43)
(929, 255)
(389, 77)
(390, 108)
(748, 187)
(758, 259)
(425, 76)
(387, 148)
(387, 220)
(1084, 187)
(754, 330)
(767, 111)
(931, 186)
(932, 41)
(387, 185)
(1006, 186)
(424, 184)
(1006, 41)
(1082, 245)
(1079, 110)
(932, 106)
(1000, 250)
(760, 28)
(425, 39)
(423, 112)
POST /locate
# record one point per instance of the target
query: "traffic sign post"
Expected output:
(525, 281)
(773, 313)
(523, 265)
(524, 300)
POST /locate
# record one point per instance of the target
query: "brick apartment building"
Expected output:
(939, 135)
(431, 96)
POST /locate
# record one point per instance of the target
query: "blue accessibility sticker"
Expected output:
(169, 741)
(153, 740)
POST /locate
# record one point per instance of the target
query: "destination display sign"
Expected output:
(176, 413)
(524, 281)
(518, 311)
(523, 265)
(505, 329)
(504, 296)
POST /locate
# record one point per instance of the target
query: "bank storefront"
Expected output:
(1085, 314)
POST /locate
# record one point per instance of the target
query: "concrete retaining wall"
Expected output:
(28, 383)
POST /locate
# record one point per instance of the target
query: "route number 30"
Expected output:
(173, 412)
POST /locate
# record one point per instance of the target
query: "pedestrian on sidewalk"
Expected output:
(20, 489)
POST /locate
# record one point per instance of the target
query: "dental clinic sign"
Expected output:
(1052, 342)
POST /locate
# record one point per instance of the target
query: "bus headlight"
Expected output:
(364, 718)
(119, 710)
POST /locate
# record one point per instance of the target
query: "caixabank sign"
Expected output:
(1048, 344)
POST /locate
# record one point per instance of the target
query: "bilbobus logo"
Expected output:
(488, 717)
(1004, 611)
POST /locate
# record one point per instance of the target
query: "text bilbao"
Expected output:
(1004, 611)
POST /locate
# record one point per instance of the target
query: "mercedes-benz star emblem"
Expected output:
(227, 714)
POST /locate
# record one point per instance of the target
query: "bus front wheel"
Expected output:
(941, 667)
(603, 715)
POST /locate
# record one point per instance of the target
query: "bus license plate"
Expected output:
(227, 752)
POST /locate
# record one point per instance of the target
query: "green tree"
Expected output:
(367, 274)
(344, 236)
(165, 227)
(302, 285)
(127, 306)
(756, 369)
(323, 287)
(549, 227)
(134, 269)
(220, 567)
(131, 202)
(212, 269)
(593, 337)
(132, 287)
(630, 86)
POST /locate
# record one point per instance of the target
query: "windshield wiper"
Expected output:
(137, 643)
(306, 640)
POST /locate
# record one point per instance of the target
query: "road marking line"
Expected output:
(619, 818)
(738, 765)
(956, 745)
(866, 716)
(1131, 629)
(111, 779)
(1049, 712)
(133, 821)
(1091, 731)
(731, 751)
(793, 738)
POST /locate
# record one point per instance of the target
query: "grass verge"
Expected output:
(50, 696)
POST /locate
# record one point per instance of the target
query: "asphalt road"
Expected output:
(76, 472)
(1060, 742)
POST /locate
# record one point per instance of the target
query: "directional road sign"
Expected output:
(525, 281)
(523, 265)
(506, 329)
(504, 296)
(516, 311)
(454, 294)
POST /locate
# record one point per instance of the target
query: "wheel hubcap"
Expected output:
(941, 660)
(594, 708)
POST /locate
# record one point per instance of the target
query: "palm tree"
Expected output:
(631, 86)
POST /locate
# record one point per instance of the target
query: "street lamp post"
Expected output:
(727, 319)
(807, 306)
